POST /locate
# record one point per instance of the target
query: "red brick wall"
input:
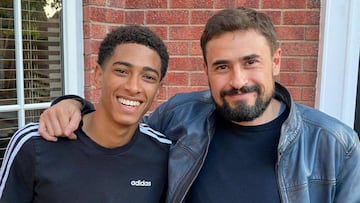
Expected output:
(180, 22)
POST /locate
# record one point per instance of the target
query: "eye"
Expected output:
(251, 61)
(150, 78)
(222, 67)
(121, 71)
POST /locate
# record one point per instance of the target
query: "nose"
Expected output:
(133, 85)
(238, 77)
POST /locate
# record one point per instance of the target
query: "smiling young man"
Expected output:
(114, 159)
(246, 140)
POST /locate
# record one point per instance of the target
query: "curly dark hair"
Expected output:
(234, 19)
(133, 34)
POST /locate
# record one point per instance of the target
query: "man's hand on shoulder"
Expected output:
(60, 120)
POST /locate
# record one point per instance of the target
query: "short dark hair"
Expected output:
(133, 34)
(233, 19)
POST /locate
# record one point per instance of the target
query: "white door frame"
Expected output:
(338, 59)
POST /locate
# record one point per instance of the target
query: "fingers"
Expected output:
(73, 125)
(44, 133)
(60, 120)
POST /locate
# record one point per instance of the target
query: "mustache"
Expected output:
(244, 89)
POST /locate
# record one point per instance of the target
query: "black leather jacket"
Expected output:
(318, 157)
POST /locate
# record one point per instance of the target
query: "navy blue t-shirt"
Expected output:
(240, 164)
(35, 170)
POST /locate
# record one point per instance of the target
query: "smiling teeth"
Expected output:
(128, 102)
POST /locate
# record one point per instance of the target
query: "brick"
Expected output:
(311, 4)
(162, 32)
(86, 13)
(91, 46)
(312, 33)
(236, 3)
(162, 93)
(167, 17)
(275, 16)
(90, 62)
(195, 49)
(186, 32)
(310, 64)
(117, 3)
(290, 64)
(284, 4)
(115, 16)
(134, 17)
(186, 63)
(94, 2)
(191, 4)
(101, 14)
(178, 47)
(295, 92)
(177, 78)
(198, 79)
(308, 94)
(96, 14)
(200, 17)
(290, 33)
(300, 49)
(145, 4)
(91, 30)
(298, 79)
(90, 78)
(301, 17)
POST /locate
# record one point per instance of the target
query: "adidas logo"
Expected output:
(140, 183)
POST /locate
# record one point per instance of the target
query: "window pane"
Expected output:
(41, 33)
(7, 54)
(42, 50)
(8, 123)
(33, 115)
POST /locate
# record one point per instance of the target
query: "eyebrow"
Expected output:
(251, 56)
(244, 58)
(129, 65)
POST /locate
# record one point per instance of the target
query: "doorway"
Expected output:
(357, 108)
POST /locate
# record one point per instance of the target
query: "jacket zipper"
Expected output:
(278, 176)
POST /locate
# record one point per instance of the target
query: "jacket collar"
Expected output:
(291, 127)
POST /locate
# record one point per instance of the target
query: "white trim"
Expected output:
(73, 47)
(19, 62)
(338, 59)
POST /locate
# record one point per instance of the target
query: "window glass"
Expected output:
(41, 78)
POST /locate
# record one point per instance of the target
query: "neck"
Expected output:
(106, 133)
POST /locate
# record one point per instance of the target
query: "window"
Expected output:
(35, 60)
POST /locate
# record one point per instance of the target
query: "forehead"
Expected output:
(237, 44)
(137, 55)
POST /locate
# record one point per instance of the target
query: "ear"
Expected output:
(161, 84)
(277, 62)
(205, 68)
(98, 76)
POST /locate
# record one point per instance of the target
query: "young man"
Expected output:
(114, 159)
(246, 139)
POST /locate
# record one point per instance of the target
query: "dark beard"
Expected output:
(243, 112)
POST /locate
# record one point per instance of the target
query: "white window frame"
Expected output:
(72, 56)
(338, 59)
